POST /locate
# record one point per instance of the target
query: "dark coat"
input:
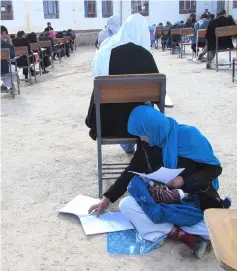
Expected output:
(125, 59)
(223, 42)
(18, 42)
(47, 29)
(197, 177)
(4, 63)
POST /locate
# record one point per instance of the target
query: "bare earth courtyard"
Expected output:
(48, 158)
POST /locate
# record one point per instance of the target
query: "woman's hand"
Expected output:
(176, 183)
(99, 207)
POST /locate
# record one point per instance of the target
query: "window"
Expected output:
(234, 4)
(6, 10)
(90, 9)
(141, 7)
(51, 9)
(107, 8)
(186, 7)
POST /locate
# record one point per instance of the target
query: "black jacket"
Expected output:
(125, 59)
(197, 177)
(47, 29)
(223, 42)
(4, 63)
(18, 42)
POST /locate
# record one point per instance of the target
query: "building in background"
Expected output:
(89, 16)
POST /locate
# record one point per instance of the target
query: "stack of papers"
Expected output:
(108, 222)
(163, 175)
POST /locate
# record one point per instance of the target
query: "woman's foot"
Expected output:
(45, 72)
(201, 247)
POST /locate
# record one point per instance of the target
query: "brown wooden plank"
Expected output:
(5, 54)
(67, 38)
(56, 41)
(35, 46)
(45, 43)
(61, 40)
(226, 31)
(146, 75)
(129, 92)
(176, 31)
(186, 31)
(222, 226)
(20, 51)
(202, 33)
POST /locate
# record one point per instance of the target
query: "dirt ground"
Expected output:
(48, 158)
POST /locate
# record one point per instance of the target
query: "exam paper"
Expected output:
(163, 175)
(79, 205)
(108, 222)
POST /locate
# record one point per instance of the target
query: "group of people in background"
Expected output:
(208, 44)
(23, 39)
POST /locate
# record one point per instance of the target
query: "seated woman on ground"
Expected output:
(127, 52)
(163, 142)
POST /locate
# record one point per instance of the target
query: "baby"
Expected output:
(161, 193)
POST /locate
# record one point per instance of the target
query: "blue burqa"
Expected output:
(175, 140)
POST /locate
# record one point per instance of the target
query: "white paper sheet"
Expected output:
(79, 205)
(108, 222)
(163, 175)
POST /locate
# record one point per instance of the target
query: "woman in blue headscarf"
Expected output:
(178, 143)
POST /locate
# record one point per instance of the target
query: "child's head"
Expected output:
(176, 183)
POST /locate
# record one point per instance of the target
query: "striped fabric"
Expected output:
(163, 194)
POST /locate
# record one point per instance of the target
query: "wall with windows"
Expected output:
(233, 9)
(33, 15)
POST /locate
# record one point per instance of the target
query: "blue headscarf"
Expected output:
(174, 139)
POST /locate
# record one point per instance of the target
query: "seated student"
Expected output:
(6, 43)
(62, 34)
(72, 34)
(175, 38)
(191, 20)
(163, 142)
(201, 24)
(127, 52)
(223, 42)
(21, 40)
(211, 17)
(46, 36)
(32, 37)
(157, 35)
(112, 27)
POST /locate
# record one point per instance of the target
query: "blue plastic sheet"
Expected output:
(130, 243)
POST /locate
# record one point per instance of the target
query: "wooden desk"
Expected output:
(222, 227)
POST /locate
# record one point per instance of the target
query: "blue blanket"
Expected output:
(183, 214)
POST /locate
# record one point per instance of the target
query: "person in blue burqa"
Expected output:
(182, 146)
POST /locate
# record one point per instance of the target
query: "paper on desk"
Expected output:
(163, 175)
(108, 222)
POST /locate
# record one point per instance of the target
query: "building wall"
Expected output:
(29, 15)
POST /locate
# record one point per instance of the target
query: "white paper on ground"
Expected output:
(108, 222)
(79, 205)
(163, 175)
